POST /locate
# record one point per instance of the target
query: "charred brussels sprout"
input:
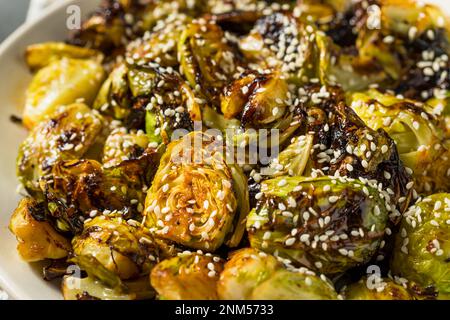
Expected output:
(326, 224)
(120, 247)
(77, 189)
(61, 83)
(37, 238)
(68, 134)
(332, 140)
(422, 247)
(420, 141)
(207, 60)
(254, 275)
(189, 276)
(193, 199)
(383, 289)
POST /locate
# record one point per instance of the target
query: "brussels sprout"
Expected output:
(254, 275)
(118, 246)
(207, 60)
(246, 269)
(422, 251)
(41, 55)
(89, 288)
(114, 97)
(259, 101)
(383, 289)
(189, 276)
(160, 46)
(68, 134)
(193, 198)
(288, 285)
(333, 140)
(281, 41)
(122, 146)
(419, 140)
(326, 224)
(61, 83)
(38, 240)
(76, 189)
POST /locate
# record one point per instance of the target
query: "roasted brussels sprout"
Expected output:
(422, 251)
(258, 100)
(246, 269)
(384, 289)
(189, 276)
(41, 55)
(118, 246)
(420, 141)
(207, 59)
(193, 198)
(90, 288)
(61, 83)
(282, 42)
(114, 97)
(326, 224)
(254, 275)
(74, 190)
(69, 133)
(122, 145)
(38, 240)
(333, 140)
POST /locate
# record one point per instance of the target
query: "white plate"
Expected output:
(21, 280)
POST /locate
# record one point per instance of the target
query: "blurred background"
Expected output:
(12, 15)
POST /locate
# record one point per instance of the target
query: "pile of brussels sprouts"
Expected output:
(356, 205)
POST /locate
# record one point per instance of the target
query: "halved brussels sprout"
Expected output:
(207, 59)
(40, 55)
(422, 247)
(382, 289)
(189, 276)
(290, 285)
(69, 133)
(246, 269)
(122, 145)
(161, 45)
(90, 288)
(193, 198)
(333, 140)
(326, 224)
(253, 275)
(259, 101)
(118, 246)
(76, 189)
(60, 83)
(38, 240)
(420, 142)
